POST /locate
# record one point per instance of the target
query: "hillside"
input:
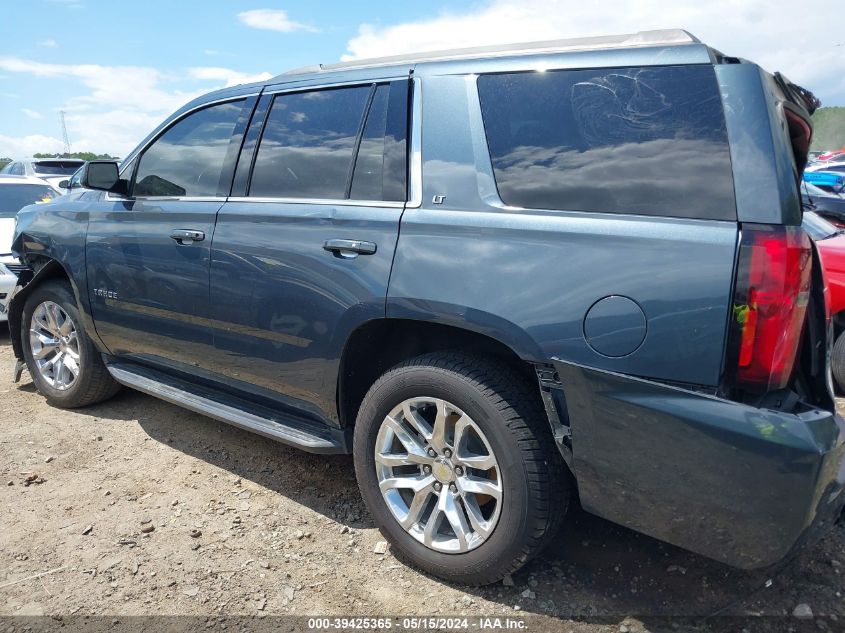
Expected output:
(829, 128)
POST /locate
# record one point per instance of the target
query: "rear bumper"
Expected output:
(742, 485)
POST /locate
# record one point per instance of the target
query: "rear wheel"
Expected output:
(837, 362)
(63, 362)
(458, 466)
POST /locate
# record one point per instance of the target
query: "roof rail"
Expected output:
(666, 37)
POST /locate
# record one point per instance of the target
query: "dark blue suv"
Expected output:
(498, 277)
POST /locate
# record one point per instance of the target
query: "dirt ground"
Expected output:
(242, 526)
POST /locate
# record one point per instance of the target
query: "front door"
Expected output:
(148, 255)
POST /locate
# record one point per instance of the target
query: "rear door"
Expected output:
(148, 254)
(303, 256)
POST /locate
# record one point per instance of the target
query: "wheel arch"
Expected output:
(377, 345)
(46, 269)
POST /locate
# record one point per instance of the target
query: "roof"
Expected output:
(666, 37)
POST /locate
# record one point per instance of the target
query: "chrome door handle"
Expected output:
(187, 236)
(349, 248)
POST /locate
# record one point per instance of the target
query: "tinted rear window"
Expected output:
(649, 141)
(56, 167)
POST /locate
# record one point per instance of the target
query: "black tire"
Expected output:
(837, 362)
(505, 406)
(93, 383)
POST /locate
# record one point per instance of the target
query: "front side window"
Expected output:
(188, 159)
(76, 179)
(649, 141)
(308, 144)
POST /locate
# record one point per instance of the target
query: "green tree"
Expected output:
(828, 129)
(4, 161)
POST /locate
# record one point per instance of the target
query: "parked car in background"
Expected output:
(831, 156)
(16, 192)
(837, 166)
(827, 180)
(831, 244)
(498, 277)
(829, 205)
(53, 170)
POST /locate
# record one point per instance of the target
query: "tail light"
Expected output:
(770, 303)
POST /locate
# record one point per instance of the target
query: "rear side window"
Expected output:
(308, 144)
(334, 144)
(648, 141)
(188, 159)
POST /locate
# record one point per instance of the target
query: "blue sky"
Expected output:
(119, 68)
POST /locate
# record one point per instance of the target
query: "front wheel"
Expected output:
(458, 467)
(64, 364)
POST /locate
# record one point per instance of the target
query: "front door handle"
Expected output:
(349, 249)
(187, 236)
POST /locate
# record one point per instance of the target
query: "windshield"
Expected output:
(818, 227)
(13, 198)
(56, 167)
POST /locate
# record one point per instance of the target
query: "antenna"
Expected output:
(64, 132)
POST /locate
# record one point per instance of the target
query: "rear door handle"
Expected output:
(349, 248)
(187, 236)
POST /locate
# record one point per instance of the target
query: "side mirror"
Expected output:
(101, 175)
(64, 184)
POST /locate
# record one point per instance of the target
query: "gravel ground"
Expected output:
(142, 508)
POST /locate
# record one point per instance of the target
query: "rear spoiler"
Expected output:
(798, 107)
(797, 95)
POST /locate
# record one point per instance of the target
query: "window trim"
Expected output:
(414, 187)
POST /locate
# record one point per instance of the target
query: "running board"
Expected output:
(285, 429)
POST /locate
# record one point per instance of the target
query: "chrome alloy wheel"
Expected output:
(438, 475)
(55, 345)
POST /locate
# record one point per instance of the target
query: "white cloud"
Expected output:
(228, 76)
(271, 20)
(16, 147)
(32, 114)
(48, 43)
(772, 33)
(117, 106)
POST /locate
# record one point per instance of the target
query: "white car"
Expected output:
(53, 170)
(834, 165)
(16, 192)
